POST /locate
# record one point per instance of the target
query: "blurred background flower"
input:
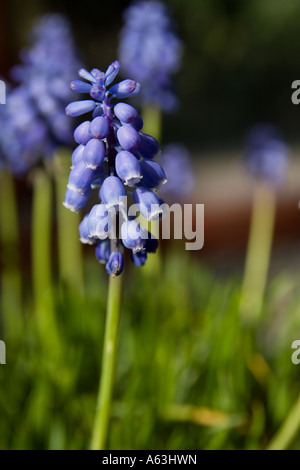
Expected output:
(266, 154)
(178, 165)
(150, 51)
(34, 119)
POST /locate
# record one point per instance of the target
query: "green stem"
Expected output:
(41, 260)
(258, 253)
(288, 431)
(11, 280)
(69, 247)
(152, 117)
(102, 416)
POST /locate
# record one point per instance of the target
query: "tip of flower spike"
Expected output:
(112, 72)
(99, 76)
(83, 73)
(97, 92)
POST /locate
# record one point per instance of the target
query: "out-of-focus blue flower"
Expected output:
(177, 164)
(47, 67)
(150, 51)
(24, 136)
(33, 122)
(266, 154)
(113, 154)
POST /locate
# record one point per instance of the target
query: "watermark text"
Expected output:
(2, 92)
(2, 353)
(296, 353)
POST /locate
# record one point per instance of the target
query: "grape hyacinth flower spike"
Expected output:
(113, 154)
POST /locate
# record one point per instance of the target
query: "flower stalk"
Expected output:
(110, 347)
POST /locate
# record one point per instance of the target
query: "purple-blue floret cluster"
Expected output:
(151, 51)
(114, 155)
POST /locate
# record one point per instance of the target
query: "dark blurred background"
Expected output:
(240, 59)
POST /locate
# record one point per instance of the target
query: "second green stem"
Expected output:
(258, 253)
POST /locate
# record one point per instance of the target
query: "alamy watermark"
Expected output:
(186, 222)
(2, 92)
(296, 353)
(2, 353)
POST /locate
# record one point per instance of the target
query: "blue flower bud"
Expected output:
(83, 73)
(99, 222)
(138, 123)
(128, 168)
(99, 177)
(147, 202)
(99, 127)
(80, 178)
(77, 155)
(102, 251)
(97, 183)
(112, 72)
(97, 111)
(133, 236)
(128, 137)
(125, 113)
(149, 146)
(82, 133)
(97, 92)
(80, 107)
(111, 192)
(139, 258)
(151, 244)
(93, 154)
(115, 264)
(78, 86)
(153, 174)
(75, 201)
(84, 232)
(125, 89)
(99, 76)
